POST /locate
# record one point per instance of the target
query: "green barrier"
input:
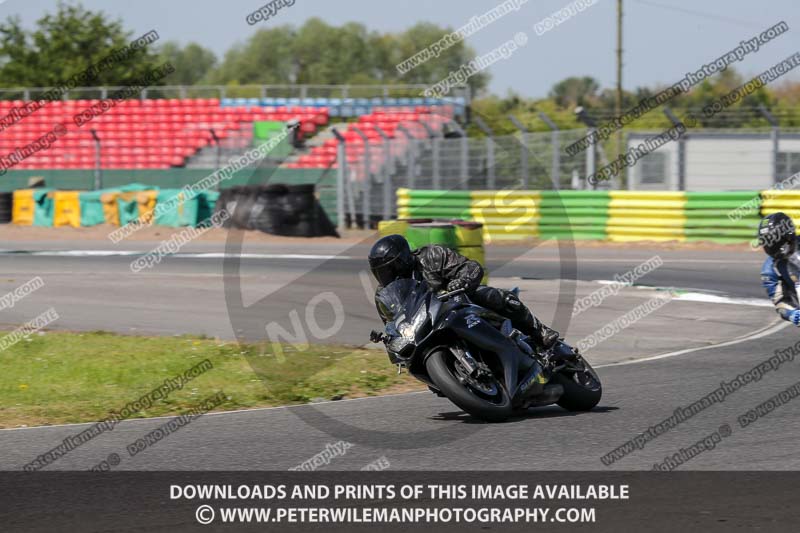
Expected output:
(92, 206)
(429, 193)
(645, 215)
(721, 223)
(43, 210)
(206, 200)
(549, 212)
(419, 235)
(185, 212)
(574, 221)
(266, 129)
(128, 209)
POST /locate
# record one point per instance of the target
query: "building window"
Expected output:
(653, 168)
(788, 164)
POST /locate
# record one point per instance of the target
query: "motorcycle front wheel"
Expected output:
(484, 399)
(582, 387)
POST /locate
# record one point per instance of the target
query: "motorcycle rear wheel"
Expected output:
(441, 366)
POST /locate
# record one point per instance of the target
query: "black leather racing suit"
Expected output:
(445, 269)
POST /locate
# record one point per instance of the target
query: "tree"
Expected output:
(265, 58)
(318, 53)
(63, 45)
(192, 63)
(574, 91)
(424, 34)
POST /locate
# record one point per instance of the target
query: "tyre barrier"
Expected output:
(288, 210)
(291, 210)
(6, 207)
(618, 216)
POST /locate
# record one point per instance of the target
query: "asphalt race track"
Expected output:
(416, 430)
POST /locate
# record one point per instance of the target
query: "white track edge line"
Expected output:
(757, 334)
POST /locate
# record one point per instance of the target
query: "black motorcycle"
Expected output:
(475, 358)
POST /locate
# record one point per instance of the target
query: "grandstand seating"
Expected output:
(387, 119)
(351, 107)
(163, 133)
(140, 134)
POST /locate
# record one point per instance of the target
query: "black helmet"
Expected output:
(776, 233)
(390, 258)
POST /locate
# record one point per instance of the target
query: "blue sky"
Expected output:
(663, 38)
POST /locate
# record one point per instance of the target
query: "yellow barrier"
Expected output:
(634, 233)
(110, 207)
(646, 215)
(506, 215)
(788, 202)
(392, 227)
(23, 207)
(146, 201)
(66, 208)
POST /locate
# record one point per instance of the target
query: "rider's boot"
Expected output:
(523, 320)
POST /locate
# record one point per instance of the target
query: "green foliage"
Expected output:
(782, 99)
(318, 54)
(64, 44)
(193, 63)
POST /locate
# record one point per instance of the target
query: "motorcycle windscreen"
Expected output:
(403, 296)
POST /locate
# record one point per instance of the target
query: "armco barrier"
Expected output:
(619, 216)
(646, 215)
(787, 201)
(712, 217)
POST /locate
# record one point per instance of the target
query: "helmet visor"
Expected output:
(389, 271)
(385, 274)
(781, 249)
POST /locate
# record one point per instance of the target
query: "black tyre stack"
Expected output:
(289, 210)
(6, 206)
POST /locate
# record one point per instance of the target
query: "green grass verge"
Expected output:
(55, 378)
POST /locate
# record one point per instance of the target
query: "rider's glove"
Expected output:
(794, 317)
(376, 336)
(457, 284)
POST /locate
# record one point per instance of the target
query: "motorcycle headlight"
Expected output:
(404, 333)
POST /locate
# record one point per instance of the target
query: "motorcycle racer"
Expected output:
(391, 258)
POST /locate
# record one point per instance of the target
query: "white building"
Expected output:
(715, 161)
